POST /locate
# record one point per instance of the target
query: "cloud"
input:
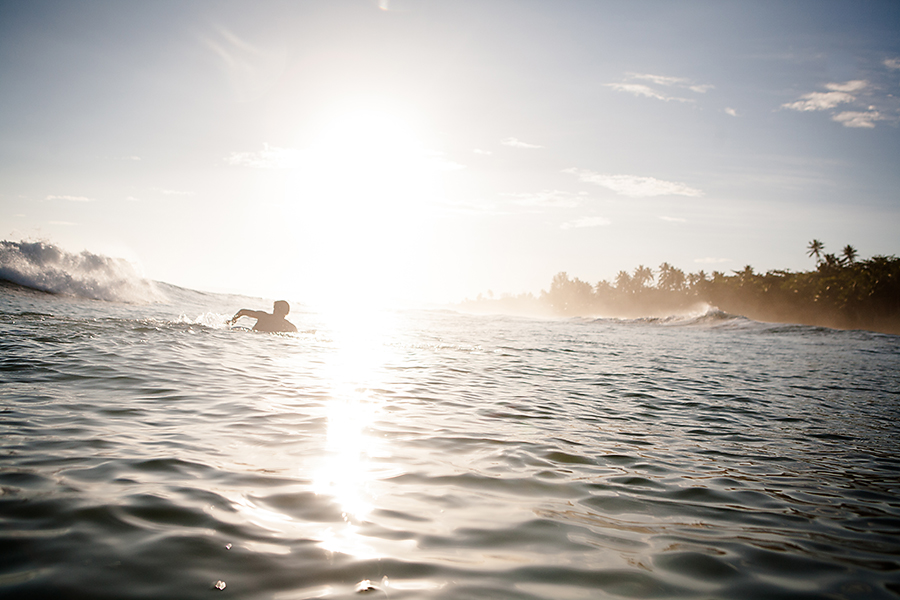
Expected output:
(547, 198)
(71, 198)
(851, 118)
(840, 93)
(586, 222)
(858, 114)
(646, 91)
(659, 79)
(635, 186)
(483, 152)
(851, 86)
(64, 223)
(270, 157)
(516, 143)
(820, 101)
(892, 63)
(673, 219)
(642, 90)
(731, 111)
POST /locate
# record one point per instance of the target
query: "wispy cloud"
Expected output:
(660, 79)
(852, 118)
(482, 152)
(635, 186)
(586, 222)
(839, 93)
(547, 198)
(731, 111)
(639, 89)
(678, 82)
(63, 223)
(851, 86)
(892, 63)
(517, 143)
(72, 198)
(855, 94)
(270, 157)
(673, 219)
(656, 82)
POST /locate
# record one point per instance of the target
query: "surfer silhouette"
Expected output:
(274, 322)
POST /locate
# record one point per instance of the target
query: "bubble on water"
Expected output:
(228, 546)
(365, 586)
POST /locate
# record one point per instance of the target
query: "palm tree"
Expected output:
(832, 261)
(695, 280)
(642, 276)
(670, 278)
(746, 274)
(849, 254)
(815, 249)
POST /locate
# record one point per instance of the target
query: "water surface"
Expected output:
(152, 452)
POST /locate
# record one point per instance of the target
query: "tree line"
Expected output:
(841, 292)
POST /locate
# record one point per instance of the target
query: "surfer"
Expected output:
(268, 322)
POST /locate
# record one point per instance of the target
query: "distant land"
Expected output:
(841, 293)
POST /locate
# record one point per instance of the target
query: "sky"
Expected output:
(430, 151)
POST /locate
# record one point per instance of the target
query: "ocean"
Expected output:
(149, 450)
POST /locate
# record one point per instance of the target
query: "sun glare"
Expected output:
(353, 460)
(361, 200)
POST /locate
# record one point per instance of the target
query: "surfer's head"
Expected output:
(281, 308)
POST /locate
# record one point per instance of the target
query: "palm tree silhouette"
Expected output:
(642, 276)
(815, 249)
(849, 253)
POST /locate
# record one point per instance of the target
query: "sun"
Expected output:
(361, 199)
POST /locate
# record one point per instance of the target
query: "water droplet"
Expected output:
(219, 585)
(228, 546)
(365, 586)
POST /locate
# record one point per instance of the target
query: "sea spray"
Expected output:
(48, 268)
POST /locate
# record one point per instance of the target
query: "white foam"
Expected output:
(46, 267)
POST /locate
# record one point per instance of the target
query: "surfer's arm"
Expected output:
(245, 312)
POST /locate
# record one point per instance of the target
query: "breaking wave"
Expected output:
(45, 267)
(704, 315)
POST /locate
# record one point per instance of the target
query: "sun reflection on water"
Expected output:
(343, 462)
(347, 470)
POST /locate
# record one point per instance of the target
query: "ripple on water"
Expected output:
(464, 458)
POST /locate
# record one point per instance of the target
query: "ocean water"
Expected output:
(151, 451)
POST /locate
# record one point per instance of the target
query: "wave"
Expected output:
(704, 316)
(711, 317)
(45, 267)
